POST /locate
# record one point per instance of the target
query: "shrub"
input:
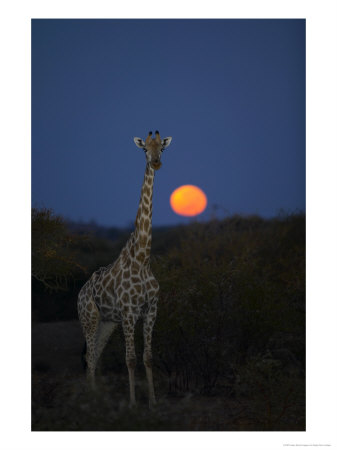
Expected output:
(228, 289)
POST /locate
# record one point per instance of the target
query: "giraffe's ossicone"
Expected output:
(126, 290)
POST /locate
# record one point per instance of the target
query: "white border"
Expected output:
(321, 221)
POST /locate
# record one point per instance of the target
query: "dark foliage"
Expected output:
(231, 317)
(54, 251)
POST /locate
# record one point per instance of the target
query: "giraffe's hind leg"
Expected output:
(90, 320)
(105, 330)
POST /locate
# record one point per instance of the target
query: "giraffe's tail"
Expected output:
(83, 358)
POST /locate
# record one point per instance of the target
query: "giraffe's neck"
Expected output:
(143, 231)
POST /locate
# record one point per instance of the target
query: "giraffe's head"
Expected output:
(153, 148)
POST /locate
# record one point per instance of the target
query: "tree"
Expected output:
(54, 250)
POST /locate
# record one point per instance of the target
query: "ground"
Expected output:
(61, 401)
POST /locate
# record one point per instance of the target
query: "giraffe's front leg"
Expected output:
(130, 356)
(147, 356)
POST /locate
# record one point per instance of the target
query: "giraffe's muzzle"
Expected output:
(156, 165)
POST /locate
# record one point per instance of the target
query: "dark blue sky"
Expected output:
(231, 93)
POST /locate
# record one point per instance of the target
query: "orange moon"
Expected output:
(188, 200)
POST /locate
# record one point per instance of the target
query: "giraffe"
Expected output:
(126, 290)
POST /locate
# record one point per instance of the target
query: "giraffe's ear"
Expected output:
(166, 142)
(139, 142)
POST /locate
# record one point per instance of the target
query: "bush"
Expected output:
(53, 250)
(230, 290)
